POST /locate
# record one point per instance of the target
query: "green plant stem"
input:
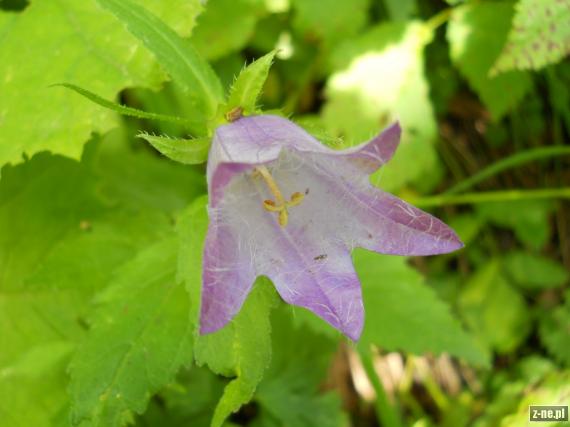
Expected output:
(439, 19)
(508, 163)
(491, 196)
(387, 414)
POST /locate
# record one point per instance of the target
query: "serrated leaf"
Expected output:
(534, 271)
(185, 151)
(495, 312)
(329, 20)
(141, 336)
(402, 313)
(476, 33)
(86, 47)
(178, 57)
(554, 331)
(216, 36)
(246, 89)
(122, 109)
(540, 35)
(380, 79)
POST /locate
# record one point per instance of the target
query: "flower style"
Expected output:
(285, 206)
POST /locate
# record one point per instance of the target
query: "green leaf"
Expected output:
(178, 57)
(494, 310)
(217, 35)
(380, 79)
(528, 218)
(402, 313)
(329, 20)
(121, 109)
(534, 271)
(476, 33)
(540, 35)
(289, 392)
(141, 336)
(246, 89)
(242, 349)
(86, 47)
(554, 331)
(186, 151)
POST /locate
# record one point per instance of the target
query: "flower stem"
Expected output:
(492, 196)
(508, 163)
(387, 414)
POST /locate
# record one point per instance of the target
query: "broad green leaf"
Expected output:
(140, 337)
(329, 20)
(535, 271)
(121, 109)
(476, 33)
(246, 89)
(528, 219)
(225, 26)
(495, 312)
(555, 331)
(402, 313)
(380, 79)
(185, 151)
(178, 57)
(289, 391)
(79, 44)
(540, 35)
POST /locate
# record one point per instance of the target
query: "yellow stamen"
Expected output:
(280, 205)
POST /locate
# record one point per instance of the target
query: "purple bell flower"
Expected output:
(285, 206)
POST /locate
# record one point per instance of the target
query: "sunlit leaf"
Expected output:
(79, 44)
(380, 79)
(177, 56)
(540, 35)
(477, 32)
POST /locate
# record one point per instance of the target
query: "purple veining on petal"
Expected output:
(309, 259)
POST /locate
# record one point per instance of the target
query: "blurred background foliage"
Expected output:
(482, 91)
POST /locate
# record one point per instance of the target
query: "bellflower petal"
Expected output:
(285, 206)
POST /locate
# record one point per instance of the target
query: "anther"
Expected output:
(279, 205)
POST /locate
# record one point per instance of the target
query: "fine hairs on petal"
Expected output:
(284, 206)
